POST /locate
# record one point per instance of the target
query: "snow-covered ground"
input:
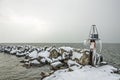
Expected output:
(85, 73)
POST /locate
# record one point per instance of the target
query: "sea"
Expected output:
(12, 69)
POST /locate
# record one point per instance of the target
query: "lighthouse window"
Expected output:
(94, 36)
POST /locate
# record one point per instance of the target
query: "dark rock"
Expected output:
(22, 61)
(44, 74)
(54, 53)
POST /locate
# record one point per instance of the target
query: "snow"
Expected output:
(54, 60)
(49, 48)
(75, 67)
(20, 54)
(83, 50)
(35, 62)
(43, 60)
(68, 49)
(77, 55)
(13, 51)
(86, 73)
(44, 54)
(56, 63)
(49, 60)
(59, 58)
(54, 48)
(104, 63)
(33, 54)
(71, 63)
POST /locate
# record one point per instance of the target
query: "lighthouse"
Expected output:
(95, 46)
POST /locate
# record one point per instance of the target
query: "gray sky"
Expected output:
(58, 20)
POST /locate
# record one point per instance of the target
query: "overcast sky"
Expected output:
(58, 20)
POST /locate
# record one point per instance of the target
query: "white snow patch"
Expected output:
(33, 54)
(68, 49)
(86, 73)
(44, 54)
(56, 63)
(35, 62)
(71, 63)
(49, 60)
(77, 55)
(13, 51)
(43, 60)
(20, 54)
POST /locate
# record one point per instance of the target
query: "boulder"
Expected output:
(56, 65)
(62, 51)
(35, 63)
(85, 59)
(117, 71)
(45, 74)
(42, 60)
(13, 51)
(33, 54)
(27, 64)
(20, 54)
(54, 53)
(82, 58)
(67, 55)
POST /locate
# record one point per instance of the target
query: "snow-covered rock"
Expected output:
(13, 51)
(68, 49)
(54, 53)
(35, 62)
(72, 63)
(67, 55)
(33, 54)
(56, 65)
(44, 54)
(20, 54)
